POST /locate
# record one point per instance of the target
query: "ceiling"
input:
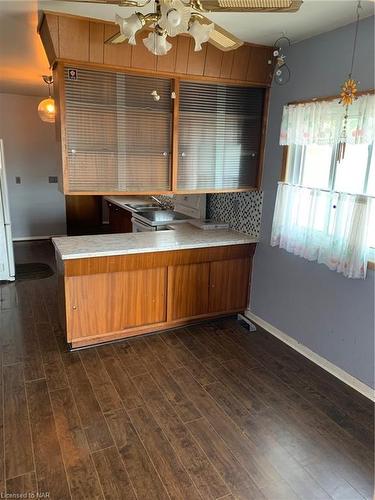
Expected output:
(23, 61)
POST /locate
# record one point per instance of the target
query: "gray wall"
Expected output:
(37, 207)
(330, 314)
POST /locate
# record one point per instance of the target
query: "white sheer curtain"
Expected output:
(329, 227)
(322, 122)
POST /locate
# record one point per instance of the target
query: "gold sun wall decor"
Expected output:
(348, 92)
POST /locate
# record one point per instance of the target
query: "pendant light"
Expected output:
(46, 108)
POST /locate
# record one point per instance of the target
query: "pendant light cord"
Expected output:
(359, 7)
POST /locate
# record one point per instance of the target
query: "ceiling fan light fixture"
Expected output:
(201, 33)
(157, 43)
(174, 17)
(130, 26)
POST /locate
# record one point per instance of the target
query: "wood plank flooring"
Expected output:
(205, 412)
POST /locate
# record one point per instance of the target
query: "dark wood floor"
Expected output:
(205, 412)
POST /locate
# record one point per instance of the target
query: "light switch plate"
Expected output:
(52, 179)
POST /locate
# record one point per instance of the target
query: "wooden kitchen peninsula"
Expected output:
(120, 285)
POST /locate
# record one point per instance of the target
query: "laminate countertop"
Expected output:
(179, 237)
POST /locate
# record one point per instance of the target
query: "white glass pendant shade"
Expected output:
(46, 110)
(130, 25)
(157, 44)
(174, 17)
(200, 33)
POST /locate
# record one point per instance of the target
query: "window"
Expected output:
(325, 209)
(315, 166)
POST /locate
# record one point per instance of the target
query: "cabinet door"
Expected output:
(83, 215)
(188, 290)
(117, 138)
(229, 285)
(104, 303)
(220, 129)
(120, 220)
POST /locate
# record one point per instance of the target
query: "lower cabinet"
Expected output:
(112, 302)
(120, 220)
(229, 285)
(188, 287)
(210, 287)
(114, 297)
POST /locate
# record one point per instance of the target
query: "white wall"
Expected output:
(37, 207)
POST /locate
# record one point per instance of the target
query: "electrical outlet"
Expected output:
(18, 180)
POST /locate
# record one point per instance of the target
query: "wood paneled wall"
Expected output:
(82, 39)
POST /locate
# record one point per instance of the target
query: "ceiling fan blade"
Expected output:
(220, 37)
(251, 5)
(116, 38)
(120, 3)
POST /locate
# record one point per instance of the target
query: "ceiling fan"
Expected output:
(174, 17)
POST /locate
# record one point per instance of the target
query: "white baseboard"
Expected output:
(32, 238)
(312, 356)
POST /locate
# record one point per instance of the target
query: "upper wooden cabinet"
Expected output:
(117, 138)
(205, 133)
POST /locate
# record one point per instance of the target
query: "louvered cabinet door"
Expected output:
(219, 136)
(117, 137)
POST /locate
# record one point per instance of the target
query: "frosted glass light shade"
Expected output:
(200, 33)
(46, 110)
(174, 17)
(157, 44)
(129, 26)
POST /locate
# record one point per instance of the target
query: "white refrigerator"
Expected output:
(7, 271)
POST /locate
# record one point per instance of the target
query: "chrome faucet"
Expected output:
(159, 202)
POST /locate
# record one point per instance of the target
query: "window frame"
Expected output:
(332, 168)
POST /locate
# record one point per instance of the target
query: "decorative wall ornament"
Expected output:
(281, 69)
(348, 92)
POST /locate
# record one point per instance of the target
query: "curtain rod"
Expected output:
(327, 190)
(330, 98)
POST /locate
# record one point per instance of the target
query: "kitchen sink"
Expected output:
(142, 208)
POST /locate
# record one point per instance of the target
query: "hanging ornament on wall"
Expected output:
(281, 74)
(348, 92)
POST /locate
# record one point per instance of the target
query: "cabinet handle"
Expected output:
(74, 308)
(164, 153)
(183, 154)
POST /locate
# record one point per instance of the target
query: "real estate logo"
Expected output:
(72, 74)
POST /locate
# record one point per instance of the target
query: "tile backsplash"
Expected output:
(242, 211)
